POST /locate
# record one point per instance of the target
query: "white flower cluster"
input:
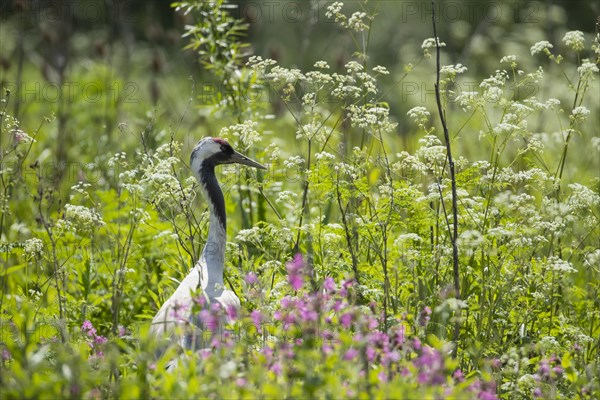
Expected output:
(587, 68)
(510, 59)
(159, 182)
(257, 63)
(381, 70)
(117, 159)
(535, 104)
(429, 43)
(370, 117)
(493, 86)
(574, 40)
(452, 70)
(286, 197)
(560, 265)
(324, 156)
(81, 219)
(346, 169)
(432, 152)
(248, 235)
(33, 247)
(294, 162)
(583, 198)
(408, 166)
(469, 100)
(280, 75)
(542, 46)
(322, 65)
(420, 115)
(21, 137)
(355, 22)
(81, 187)
(596, 143)
(579, 114)
(245, 132)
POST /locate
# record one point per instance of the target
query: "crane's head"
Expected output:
(210, 152)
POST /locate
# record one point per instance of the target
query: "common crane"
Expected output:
(207, 274)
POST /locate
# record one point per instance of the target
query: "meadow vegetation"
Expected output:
(341, 251)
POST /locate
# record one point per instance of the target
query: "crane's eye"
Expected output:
(227, 149)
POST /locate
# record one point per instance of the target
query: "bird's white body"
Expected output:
(206, 278)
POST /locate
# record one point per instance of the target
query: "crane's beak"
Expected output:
(242, 159)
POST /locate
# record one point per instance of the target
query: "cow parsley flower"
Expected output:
(587, 68)
(508, 59)
(452, 70)
(356, 22)
(430, 44)
(246, 133)
(381, 70)
(334, 10)
(574, 40)
(579, 114)
(286, 197)
(33, 247)
(419, 114)
(82, 219)
(542, 46)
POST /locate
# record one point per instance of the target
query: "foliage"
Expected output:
(341, 252)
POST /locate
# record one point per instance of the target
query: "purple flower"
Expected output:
(87, 325)
(372, 323)
(308, 315)
(200, 300)
(178, 311)
(329, 284)
(346, 320)
(122, 331)
(286, 302)
(390, 357)
(88, 328)
(257, 318)
(537, 392)
(544, 370)
(251, 278)
(296, 281)
(371, 353)
(350, 354)
(458, 375)
(337, 306)
(400, 336)
(425, 316)
(209, 320)
(100, 339)
(6, 355)
(205, 353)
(276, 368)
(295, 271)
(417, 344)
(231, 312)
(241, 382)
(485, 395)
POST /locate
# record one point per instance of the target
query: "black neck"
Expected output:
(213, 192)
